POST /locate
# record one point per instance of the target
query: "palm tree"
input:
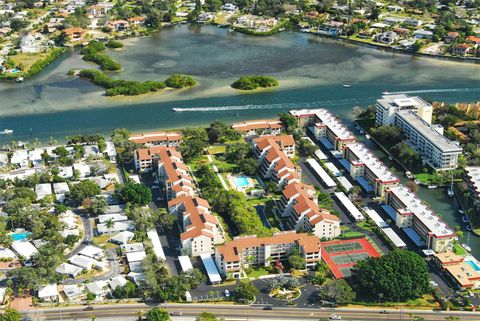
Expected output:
(110, 224)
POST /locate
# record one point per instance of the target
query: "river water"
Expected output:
(311, 71)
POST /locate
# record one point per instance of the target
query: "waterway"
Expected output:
(311, 70)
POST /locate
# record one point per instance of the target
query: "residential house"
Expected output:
(137, 21)
(48, 293)
(423, 34)
(118, 25)
(451, 36)
(461, 49)
(387, 37)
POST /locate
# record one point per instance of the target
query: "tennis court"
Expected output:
(349, 258)
(343, 247)
(342, 255)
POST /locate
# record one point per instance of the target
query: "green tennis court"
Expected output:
(348, 258)
(343, 247)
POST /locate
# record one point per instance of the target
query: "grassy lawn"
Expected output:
(28, 59)
(260, 271)
(427, 301)
(366, 226)
(101, 239)
(197, 161)
(217, 149)
(224, 166)
(425, 178)
(459, 250)
(352, 234)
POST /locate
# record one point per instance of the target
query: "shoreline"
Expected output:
(276, 30)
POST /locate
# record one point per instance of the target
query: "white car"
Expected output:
(227, 293)
(334, 317)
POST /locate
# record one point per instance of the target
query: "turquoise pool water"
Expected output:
(241, 181)
(20, 236)
(473, 264)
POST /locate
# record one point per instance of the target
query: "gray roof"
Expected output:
(428, 132)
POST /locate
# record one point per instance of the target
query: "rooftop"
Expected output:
(401, 101)
(427, 131)
(473, 172)
(257, 124)
(427, 216)
(336, 126)
(366, 157)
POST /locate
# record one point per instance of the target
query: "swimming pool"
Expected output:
(473, 264)
(241, 181)
(20, 236)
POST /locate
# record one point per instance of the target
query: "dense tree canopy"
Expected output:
(245, 292)
(399, 275)
(338, 291)
(84, 189)
(157, 314)
(134, 193)
(253, 82)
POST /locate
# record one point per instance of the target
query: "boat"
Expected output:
(367, 136)
(177, 109)
(432, 186)
(464, 219)
(6, 131)
(450, 190)
(347, 85)
(20, 79)
(461, 212)
(417, 181)
(466, 247)
(468, 227)
(386, 93)
(409, 174)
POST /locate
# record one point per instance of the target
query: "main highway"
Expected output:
(124, 312)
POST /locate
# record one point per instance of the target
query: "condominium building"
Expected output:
(367, 169)
(428, 141)
(299, 204)
(387, 106)
(173, 173)
(464, 272)
(200, 228)
(144, 158)
(247, 251)
(414, 116)
(259, 127)
(472, 177)
(411, 212)
(326, 128)
(150, 139)
(274, 163)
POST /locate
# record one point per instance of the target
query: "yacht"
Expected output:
(466, 247)
(409, 174)
(347, 85)
(6, 131)
(461, 212)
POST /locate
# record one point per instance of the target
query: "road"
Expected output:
(238, 312)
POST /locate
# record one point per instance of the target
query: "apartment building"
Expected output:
(145, 158)
(326, 128)
(173, 173)
(387, 106)
(367, 169)
(259, 127)
(274, 162)
(299, 204)
(411, 212)
(414, 117)
(200, 228)
(463, 272)
(472, 177)
(247, 251)
(428, 141)
(150, 139)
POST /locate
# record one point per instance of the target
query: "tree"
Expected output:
(18, 24)
(295, 261)
(124, 146)
(5, 238)
(10, 315)
(206, 316)
(245, 292)
(338, 291)
(84, 189)
(129, 290)
(289, 122)
(249, 166)
(166, 219)
(412, 186)
(416, 46)
(157, 314)
(109, 224)
(99, 205)
(399, 275)
(134, 193)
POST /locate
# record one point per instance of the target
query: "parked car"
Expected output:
(227, 293)
(176, 313)
(334, 317)
(385, 311)
(268, 307)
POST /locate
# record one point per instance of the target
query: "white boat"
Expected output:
(461, 212)
(20, 79)
(347, 85)
(432, 186)
(177, 109)
(450, 193)
(450, 190)
(386, 92)
(417, 181)
(409, 174)
(367, 136)
(6, 131)
(466, 247)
